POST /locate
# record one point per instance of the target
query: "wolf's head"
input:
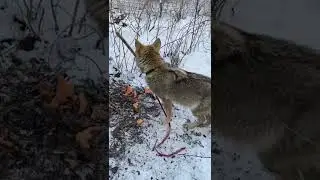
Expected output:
(148, 56)
(228, 41)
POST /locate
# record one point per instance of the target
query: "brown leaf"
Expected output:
(147, 90)
(135, 97)
(139, 122)
(83, 137)
(128, 90)
(64, 90)
(83, 103)
(135, 107)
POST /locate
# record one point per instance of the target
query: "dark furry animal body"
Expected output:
(266, 95)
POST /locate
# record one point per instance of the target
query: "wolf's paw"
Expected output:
(185, 126)
(188, 126)
(202, 125)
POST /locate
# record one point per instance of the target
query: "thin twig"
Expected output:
(56, 27)
(60, 34)
(101, 72)
(28, 16)
(125, 42)
(40, 21)
(38, 8)
(76, 7)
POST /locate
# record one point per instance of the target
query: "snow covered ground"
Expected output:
(140, 161)
(75, 55)
(145, 164)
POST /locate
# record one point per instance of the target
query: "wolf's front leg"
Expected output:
(167, 103)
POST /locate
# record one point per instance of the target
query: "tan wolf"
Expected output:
(266, 95)
(175, 85)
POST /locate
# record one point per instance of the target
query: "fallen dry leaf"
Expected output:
(147, 90)
(83, 137)
(128, 90)
(139, 122)
(64, 90)
(83, 103)
(135, 97)
(136, 107)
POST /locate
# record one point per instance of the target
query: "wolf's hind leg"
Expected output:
(207, 121)
(199, 123)
(201, 112)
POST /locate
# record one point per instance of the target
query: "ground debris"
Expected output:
(41, 116)
(130, 108)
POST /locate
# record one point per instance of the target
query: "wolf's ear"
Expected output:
(157, 44)
(138, 44)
